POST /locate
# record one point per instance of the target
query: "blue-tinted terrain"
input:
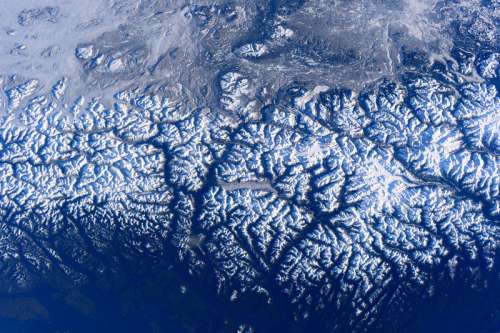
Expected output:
(249, 166)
